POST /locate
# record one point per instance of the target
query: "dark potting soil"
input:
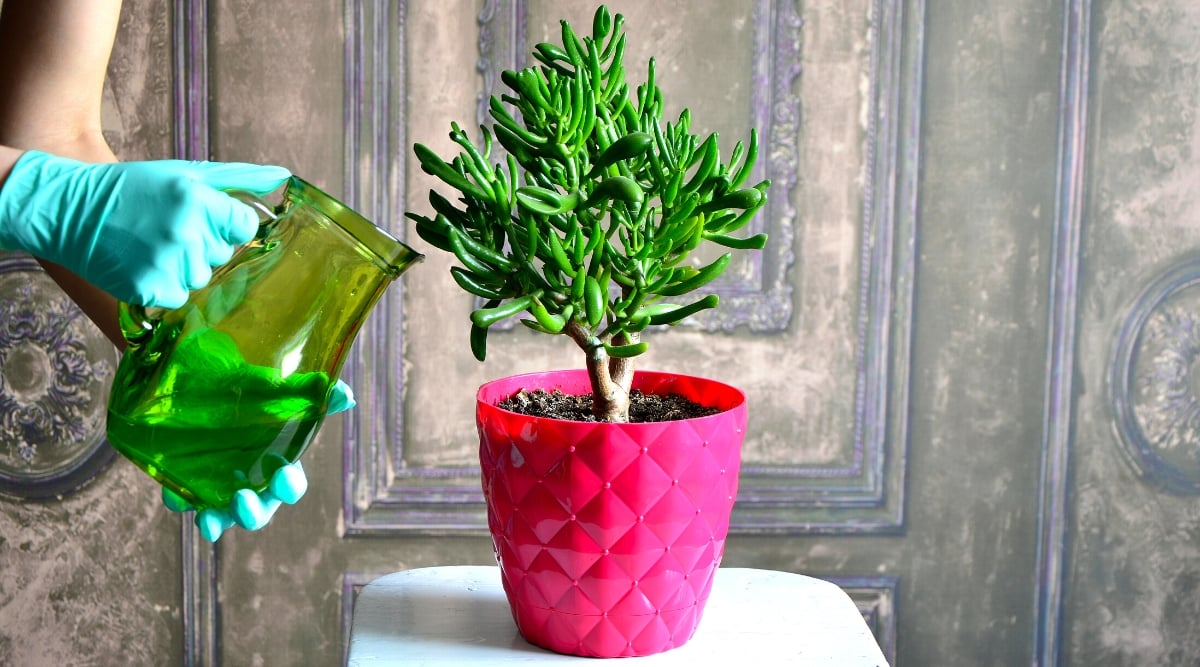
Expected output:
(642, 407)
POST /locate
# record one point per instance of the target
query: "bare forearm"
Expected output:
(55, 55)
(8, 157)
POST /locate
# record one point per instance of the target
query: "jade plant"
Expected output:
(584, 223)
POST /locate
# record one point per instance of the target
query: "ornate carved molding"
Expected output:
(1153, 382)
(56, 369)
(375, 133)
(866, 493)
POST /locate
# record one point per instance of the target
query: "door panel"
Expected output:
(1135, 517)
(412, 495)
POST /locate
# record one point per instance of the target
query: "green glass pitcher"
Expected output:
(215, 396)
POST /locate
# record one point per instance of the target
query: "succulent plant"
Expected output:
(585, 221)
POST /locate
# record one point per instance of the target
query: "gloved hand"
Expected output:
(145, 232)
(254, 510)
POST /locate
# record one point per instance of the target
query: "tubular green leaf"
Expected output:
(479, 341)
(476, 156)
(594, 301)
(710, 154)
(743, 172)
(430, 232)
(629, 146)
(626, 351)
(577, 246)
(637, 323)
(534, 240)
(701, 278)
(474, 283)
(616, 45)
(756, 242)
(601, 23)
(683, 210)
(572, 44)
(533, 324)
(468, 260)
(486, 317)
(552, 52)
(516, 146)
(546, 202)
(578, 285)
(618, 188)
(679, 313)
(505, 120)
(453, 216)
(744, 198)
(552, 323)
(483, 252)
(595, 239)
(436, 166)
(559, 254)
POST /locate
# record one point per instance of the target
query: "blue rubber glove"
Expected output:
(252, 510)
(145, 232)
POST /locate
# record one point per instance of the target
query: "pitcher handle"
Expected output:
(268, 214)
(137, 323)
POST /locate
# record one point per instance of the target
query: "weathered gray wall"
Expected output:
(991, 109)
(980, 314)
(1135, 578)
(93, 578)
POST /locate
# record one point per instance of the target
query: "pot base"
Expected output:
(608, 535)
(611, 636)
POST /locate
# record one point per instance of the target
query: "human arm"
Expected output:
(139, 232)
(93, 218)
(55, 55)
(113, 223)
(145, 232)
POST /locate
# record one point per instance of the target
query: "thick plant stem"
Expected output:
(610, 377)
(620, 370)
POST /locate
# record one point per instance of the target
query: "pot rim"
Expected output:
(735, 398)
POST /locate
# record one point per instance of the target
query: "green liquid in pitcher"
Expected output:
(214, 423)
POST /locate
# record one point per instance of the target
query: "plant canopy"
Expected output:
(583, 224)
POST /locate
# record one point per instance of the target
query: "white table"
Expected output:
(459, 616)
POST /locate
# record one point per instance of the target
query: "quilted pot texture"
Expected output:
(608, 535)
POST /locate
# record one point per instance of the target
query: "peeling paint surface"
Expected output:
(92, 578)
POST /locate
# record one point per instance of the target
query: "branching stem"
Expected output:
(610, 377)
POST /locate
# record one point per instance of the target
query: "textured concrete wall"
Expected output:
(987, 210)
(93, 578)
(1135, 582)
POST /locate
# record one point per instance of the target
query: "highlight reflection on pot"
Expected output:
(215, 396)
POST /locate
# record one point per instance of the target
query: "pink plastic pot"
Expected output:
(608, 535)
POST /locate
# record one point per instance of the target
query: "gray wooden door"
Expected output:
(969, 347)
